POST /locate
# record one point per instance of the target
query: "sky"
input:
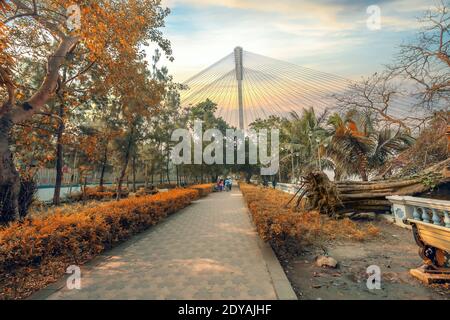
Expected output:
(330, 36)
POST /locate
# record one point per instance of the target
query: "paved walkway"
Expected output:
(206, 251)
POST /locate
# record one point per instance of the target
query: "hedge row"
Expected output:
(289, 230)
(203, 189)
(36, 252)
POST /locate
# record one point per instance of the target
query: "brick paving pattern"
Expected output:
(206, 251)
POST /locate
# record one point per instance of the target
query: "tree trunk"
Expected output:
(84, 189)
(292, 164)
(337, 175)
(9, 177)
(448, 133)
(102, 173)
(168, 172)
(59, 158)
(364, 176)
(125, 166)
(146, 174)
(72, 175)
(153, 173)
(134, 174)
(167, 164)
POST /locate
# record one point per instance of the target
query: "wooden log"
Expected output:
(350, 191)
(368, 202)
(371, 195)
(370, 208)
(364, 196)
(379, 185)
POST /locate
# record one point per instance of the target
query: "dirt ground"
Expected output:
(394, 251)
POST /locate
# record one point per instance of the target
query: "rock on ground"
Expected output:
(323, 261)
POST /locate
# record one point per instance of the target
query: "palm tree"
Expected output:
(388, 144)
(347, 148)
(356, 147)
(304, 134)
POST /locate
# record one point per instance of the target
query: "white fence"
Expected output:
(288, 187)
(47, 176)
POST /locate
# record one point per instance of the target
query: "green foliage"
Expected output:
(357, 147)
(430, 182)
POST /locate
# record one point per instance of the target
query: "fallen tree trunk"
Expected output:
(373, 187)
(359, 196)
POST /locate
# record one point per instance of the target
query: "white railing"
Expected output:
(434, 212)
(47, 177)
(288, 187)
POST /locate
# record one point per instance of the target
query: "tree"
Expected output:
(111, 36)
(205, 112)
(304, 135)
(357, 147)
(136, 107)
(168, 118)
(429, 149)
(271, 123)
(426, 61)
(375, 94)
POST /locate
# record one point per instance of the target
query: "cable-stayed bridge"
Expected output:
(247, 86)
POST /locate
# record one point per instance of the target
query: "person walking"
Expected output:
(274, 183)
(227, 184)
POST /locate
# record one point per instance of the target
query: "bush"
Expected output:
(203, 189)
(166, 186)
(37, 251)
(98, 193)
(288, 230)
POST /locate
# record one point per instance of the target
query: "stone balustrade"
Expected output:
(431, 211)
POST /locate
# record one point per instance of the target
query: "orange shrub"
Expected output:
(166, 186)
(98, 193)
(203, 189)
(287, 230)
(30, 250)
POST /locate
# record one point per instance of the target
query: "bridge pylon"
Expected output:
(238, 62)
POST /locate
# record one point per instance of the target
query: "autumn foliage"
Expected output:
(288, 230)
(203, 189)
(98, 193)
(37, 251)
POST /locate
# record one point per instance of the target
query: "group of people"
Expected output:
(224, 184)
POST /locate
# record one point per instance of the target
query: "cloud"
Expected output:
(325, 33)
(322, 14)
